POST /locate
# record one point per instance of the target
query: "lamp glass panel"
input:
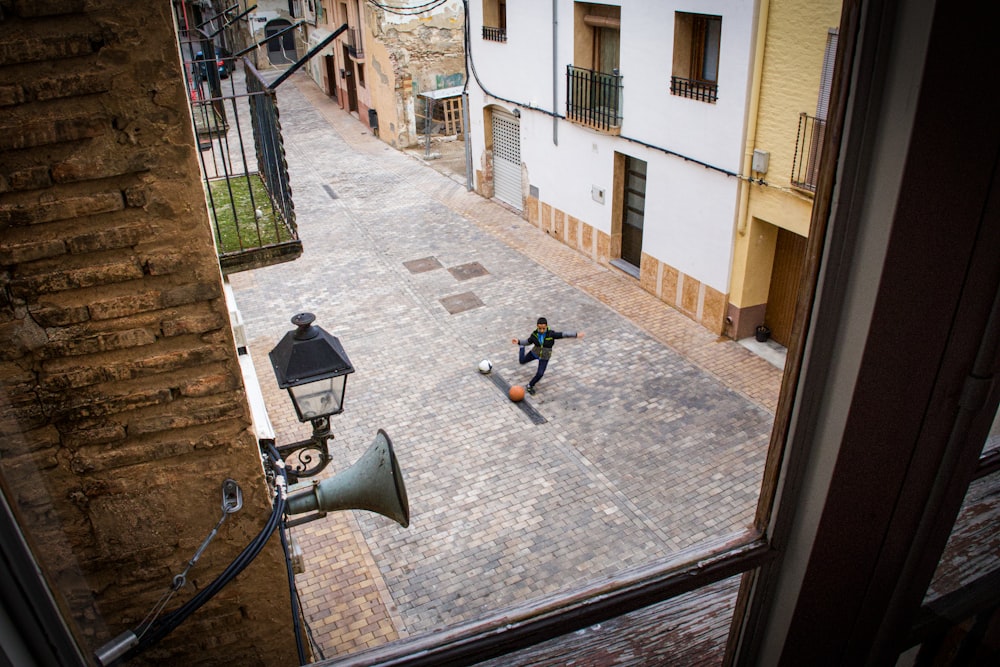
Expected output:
(319, 398)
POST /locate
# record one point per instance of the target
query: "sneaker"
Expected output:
(531, 390)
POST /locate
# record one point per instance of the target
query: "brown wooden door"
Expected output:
(331, 76)
(349, 83)
(633, 210)
(786, 276)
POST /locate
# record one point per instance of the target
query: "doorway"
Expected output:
(507, 158)
(331, 75)
(633, 210)
(786, 276)
(349, 83)
(280, 51)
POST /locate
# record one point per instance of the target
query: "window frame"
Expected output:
(692, 43)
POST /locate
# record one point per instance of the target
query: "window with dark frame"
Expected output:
(495, 20)
(697, 40)
(594, 82)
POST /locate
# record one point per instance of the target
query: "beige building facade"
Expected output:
(793, 66)
(380, 65)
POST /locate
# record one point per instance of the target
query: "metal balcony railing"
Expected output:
(703, 91)
(354, 46)
(808, 144)
(242, 157)
(594, 98)
(494, 34)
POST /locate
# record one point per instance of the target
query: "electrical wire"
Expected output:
(316, 648)
(292, 591)
(296, 625)
(170, 621)
(408, 11)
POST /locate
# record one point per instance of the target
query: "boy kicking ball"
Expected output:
(541, 340)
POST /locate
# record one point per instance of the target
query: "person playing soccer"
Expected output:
(541, 340)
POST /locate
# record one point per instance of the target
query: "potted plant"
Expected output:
(762, 333)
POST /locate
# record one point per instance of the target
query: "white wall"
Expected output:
(690, 210)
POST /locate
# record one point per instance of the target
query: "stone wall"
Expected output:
(409, 55)
(121, 403)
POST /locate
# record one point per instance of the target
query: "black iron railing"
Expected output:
(808, 144)
(268, 144)
(594, 98)
(246, 185)
(703, 91)
(354, 46)
(494, 34)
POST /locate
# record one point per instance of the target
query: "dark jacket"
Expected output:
(542, 342)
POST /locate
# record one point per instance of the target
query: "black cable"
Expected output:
(292, 591)
(167, 623)
(317, 649)
(409, 11)
(471, 63)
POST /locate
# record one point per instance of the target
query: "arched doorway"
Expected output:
(280, 51)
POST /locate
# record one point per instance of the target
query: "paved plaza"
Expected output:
(645, 438)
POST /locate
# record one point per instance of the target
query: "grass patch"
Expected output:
(237, 224)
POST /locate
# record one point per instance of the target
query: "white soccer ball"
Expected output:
(485, 366)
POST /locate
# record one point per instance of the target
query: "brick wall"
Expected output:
(121, 405)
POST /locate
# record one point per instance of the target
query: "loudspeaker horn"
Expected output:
(373, 483)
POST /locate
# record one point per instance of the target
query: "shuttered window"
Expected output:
(826, 78)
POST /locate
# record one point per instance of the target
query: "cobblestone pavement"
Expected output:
(646, 437)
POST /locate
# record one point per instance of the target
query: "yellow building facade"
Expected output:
(793, 66)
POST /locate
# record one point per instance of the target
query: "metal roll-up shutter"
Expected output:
(507, 159)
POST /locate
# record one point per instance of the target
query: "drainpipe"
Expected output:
(555, 71)
(753, 104)
(469, 185)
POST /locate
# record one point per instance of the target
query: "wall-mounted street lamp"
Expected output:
(313, 366)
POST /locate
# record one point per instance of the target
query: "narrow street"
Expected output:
(645, 441)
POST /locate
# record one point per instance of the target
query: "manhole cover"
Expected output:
(470, 270)
(461, 302)
(423, 264)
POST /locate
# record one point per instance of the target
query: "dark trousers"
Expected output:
(529, 355)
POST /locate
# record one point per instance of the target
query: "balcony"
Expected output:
(808, 145)
(494, 34)
(242, 157)
(354, 46)
(703, 91)
(594, 99)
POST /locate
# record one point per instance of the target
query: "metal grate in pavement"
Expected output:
(459, 303)
(467, 271)
(534, 415)
(423, 264)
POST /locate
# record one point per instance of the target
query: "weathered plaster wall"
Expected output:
(121, 403)
(408, 55)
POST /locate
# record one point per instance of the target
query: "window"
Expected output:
(809, 139)
(696, 56)
(495, 20)
(361, 75)
(593, 81)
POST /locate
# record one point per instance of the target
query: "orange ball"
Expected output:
(516, 393)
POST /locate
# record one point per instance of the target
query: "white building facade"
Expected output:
(618, 127)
